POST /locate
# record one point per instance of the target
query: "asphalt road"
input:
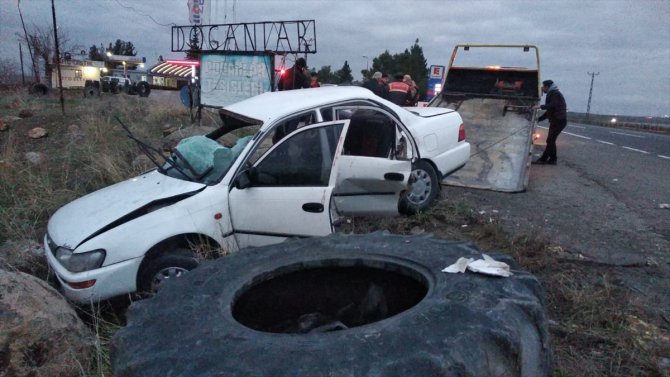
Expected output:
(602, 202)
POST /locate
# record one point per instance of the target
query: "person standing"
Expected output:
(377, 85)
(413, 95)
(314, 80)
(295, 77)
(556, 113)
(399, 91)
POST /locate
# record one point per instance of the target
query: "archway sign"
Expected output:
(237, 60)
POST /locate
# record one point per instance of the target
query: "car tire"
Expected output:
(143, 89)
(167, 266)
(422, 191)
(371, 305)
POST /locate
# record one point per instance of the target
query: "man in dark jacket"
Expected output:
(295, 77)
(556, 112)
(377, 85)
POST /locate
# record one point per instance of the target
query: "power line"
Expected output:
(144, 14)
(588, 107)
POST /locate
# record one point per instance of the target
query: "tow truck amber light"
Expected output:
(82, 285)
(461, 132)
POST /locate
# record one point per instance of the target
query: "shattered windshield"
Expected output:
(201, 159)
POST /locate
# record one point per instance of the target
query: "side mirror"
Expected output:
(245, 179)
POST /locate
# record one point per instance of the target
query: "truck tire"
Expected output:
(91, 91)
(143, 89)
(423, 190)
(370, 305)
(39, 89)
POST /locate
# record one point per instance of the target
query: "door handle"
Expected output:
(312, 207)
(394, 177)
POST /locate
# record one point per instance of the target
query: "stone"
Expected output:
(23, 255)
(37, 133)
(25, 113)
(40, 334)
(34, 158)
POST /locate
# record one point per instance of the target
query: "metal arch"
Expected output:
(280, 37)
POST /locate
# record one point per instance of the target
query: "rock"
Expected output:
(23, 255)
(34, 158)
(40, 334)
(75, 132)
(37, 133)
(3, 126)
(25, 113)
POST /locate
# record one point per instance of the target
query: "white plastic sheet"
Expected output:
(487, 266)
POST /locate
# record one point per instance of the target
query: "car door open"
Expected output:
(370, 177)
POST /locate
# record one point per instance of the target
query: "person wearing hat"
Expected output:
(296, 77)
(556, 113)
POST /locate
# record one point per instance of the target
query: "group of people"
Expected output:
(402, 90)
(298, 77)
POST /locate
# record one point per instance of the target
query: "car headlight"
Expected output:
(80, 262)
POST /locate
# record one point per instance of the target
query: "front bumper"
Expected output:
(110, 281)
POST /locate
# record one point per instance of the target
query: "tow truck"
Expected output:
(494, 87)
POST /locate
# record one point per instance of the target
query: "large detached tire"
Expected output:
(423, 189)
(372, 305)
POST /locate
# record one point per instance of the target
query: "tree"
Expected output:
(122, 48)
(344, 74)
(326, 75)
(41, 41)
(95, 53)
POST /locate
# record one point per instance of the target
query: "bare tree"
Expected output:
(41, 41)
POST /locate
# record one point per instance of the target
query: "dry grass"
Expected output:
(595, 332)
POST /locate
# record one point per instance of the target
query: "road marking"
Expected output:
(661, 156)
(575, 135)
(636, 150)
(576, 126)
(605, 142)
(625, 134)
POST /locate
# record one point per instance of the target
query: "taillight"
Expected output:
(461, 133)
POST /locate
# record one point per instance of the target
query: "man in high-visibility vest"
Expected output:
(398, 91)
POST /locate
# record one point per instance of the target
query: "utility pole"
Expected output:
(60, 77)
(23, 75)
(588, 107)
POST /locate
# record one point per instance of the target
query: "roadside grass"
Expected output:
(594, 330)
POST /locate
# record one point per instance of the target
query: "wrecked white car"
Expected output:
(310, 157)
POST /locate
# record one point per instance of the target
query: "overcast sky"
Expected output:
(626, 41)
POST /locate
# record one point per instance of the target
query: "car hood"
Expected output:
(78, 220)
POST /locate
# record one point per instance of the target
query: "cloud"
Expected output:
(625, 40)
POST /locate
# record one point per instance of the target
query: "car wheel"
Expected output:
(422, 191)
(370, 305)
(143, 89)
(166, 267)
